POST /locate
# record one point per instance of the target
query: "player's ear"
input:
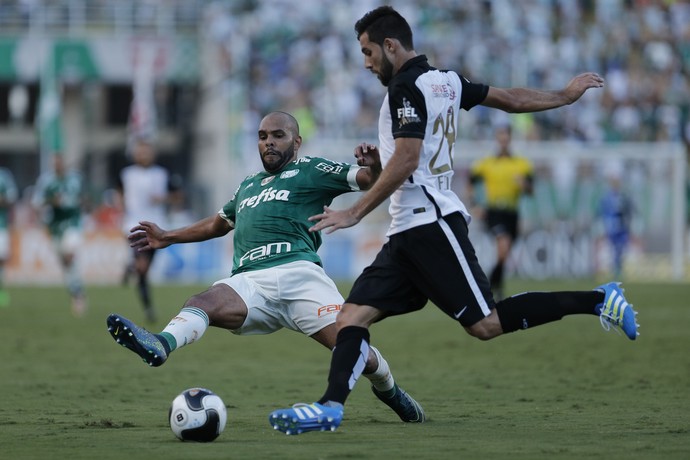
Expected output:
(298, 142)
(390, 45)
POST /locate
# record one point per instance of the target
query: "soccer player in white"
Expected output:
(429, 256)
(144, 189)
(277, 280)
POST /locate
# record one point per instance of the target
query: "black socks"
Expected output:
(534, 308)
(347, 363)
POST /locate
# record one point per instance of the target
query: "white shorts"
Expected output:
(4, 244)
(69, 241)
(298, 296)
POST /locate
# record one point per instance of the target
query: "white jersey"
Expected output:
(145, 190)
(424, 103)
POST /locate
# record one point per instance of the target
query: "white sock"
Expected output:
(73, 278)
(185, 328)
(381, 378)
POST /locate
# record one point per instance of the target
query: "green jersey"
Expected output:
(269, 212)
(60, 196)
(8, 195)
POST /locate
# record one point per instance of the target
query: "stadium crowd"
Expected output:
(641, 47)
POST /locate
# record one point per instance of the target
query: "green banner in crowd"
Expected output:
(49, 110)
(73, 61)
(7, 49)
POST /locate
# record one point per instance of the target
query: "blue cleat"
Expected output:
(616, 311)
(137, 339)
(301, 418)
(403, 404)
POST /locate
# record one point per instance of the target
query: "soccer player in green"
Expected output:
(8, 195)
(59, 195)
(277, 280)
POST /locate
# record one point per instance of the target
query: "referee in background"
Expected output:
(505, 178)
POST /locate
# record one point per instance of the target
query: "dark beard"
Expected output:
(386, 73)
(285, 158)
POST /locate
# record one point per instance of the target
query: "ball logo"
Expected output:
(179, 417)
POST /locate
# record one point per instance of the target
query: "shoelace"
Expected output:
(607, 321)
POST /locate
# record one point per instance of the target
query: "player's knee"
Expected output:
(198, 301)
(372, 362)
(486, 329)
(208, 301)
(342, 321)
(356, 315)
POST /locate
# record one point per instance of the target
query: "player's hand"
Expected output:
(147, 236)
(581, 83)
(332, 220)
(367, 155)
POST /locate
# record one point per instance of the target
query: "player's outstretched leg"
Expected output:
(616, 311)
(137, 339)
(301, 418)
(402, 403)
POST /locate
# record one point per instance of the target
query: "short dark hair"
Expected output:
(384, 22)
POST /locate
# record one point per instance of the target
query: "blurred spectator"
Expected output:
(59, 196)
(8, 196)
(616, 211)
(641, 47)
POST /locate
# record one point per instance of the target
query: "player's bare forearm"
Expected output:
(389, 180)
(367, 176)
(402, 164)
(205, 229)
(157, 238)
(521, 100)
(367, 156)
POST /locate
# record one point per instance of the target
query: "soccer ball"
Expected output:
(197, 414)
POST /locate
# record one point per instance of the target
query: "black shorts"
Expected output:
(433, 262)
(137, 254)
(502, 221)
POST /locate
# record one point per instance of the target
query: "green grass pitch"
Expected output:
(566, 390)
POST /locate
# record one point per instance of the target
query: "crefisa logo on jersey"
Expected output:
(407, 114)
(269, 194)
